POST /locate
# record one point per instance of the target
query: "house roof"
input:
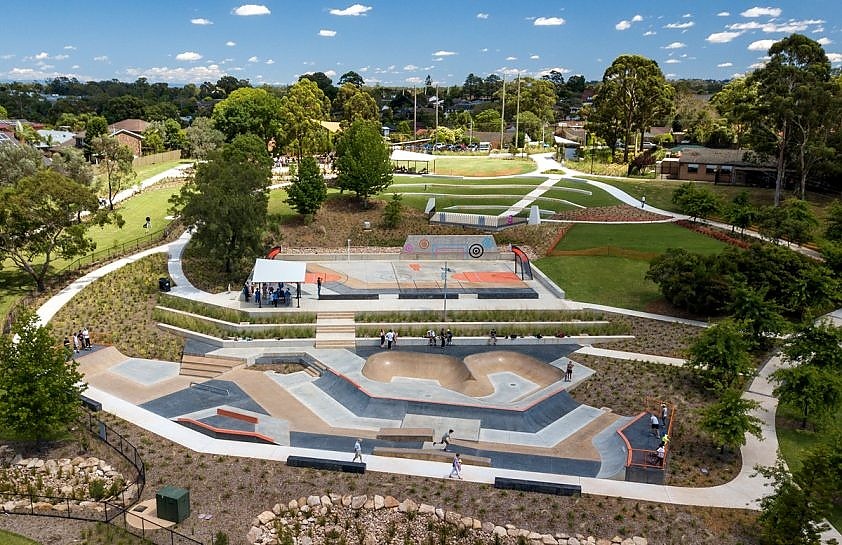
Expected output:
(56, 138)
(126, 131)
(710, 156)
(133, 125)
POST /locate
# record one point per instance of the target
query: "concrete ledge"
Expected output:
(545, 281)
(433, 455)
(431, 295)
(323, 463)
(348, 296)
(95, 406)
(405, 434)
(507, 295)
(558, 489)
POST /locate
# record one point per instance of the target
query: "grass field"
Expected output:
(617, 280)
(400, 180)
(482, 166)
(8, 538)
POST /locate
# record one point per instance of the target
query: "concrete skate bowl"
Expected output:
(469, 377)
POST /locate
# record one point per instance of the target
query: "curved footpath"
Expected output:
(742, 492)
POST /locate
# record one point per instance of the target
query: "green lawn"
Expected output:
(482, 166)
(437, 181)
(8, 538)
(151, 170)
(597, 197)
(617, 280)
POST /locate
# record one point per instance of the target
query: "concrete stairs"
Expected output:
(335, 330)
(208, 366)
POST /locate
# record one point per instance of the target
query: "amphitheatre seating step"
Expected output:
(335, 315)
(207, 366)
(348, 296)
(406, 434)
(559, 489)
(433, 455)
(323, 463)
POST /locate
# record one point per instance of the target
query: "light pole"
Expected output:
(349, 250)
(444, 272)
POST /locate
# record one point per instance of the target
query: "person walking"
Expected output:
(86, 336)
(456, 467)
(382, 338)
(358, 451)
(643, 201)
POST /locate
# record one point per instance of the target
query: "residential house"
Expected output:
(52, 140)
(726, 166)
(129, 132)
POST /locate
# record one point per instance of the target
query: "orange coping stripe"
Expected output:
(237, 416)
(487, 276)
(629, 449)
(227, 431)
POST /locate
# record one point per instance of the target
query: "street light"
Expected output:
(444, 271)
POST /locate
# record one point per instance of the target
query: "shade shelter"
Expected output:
(564, 143)
(414, 157)
(275, 273)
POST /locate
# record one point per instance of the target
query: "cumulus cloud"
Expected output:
(254, 59)
(548, 21)
(230, 43)
(675, 45)
(725, 65)
(724, 14)
(247, 10)
(824, 41)
(835, 58)
(62, 57)
(637, 18)
(101, 58)
(680, 26)
(623, 25)
(327, 33)
(757, 11)
(42, 55)
(510, 58)
(672, 61)
(193, 74)
(534, 57)
(723, 37)
(546, 71)
(760, 45)
(649, 33)
(70, 47)
(188, 56)
(201, 21)
(413, 79)
(443, 53)
(410, 68)
(482, 16)
(330, 73)
(270, 61)
(788, 27)
(354, 10)
(757, 65)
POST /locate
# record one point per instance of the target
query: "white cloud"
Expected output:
(69, 47)
(757, 65)
(724, 14)
(760, 12)
(410, 68)
(62, 57)
(623, 25)
(254, 59)
(484, 50)
(510, 58)
(327, 33)
(534, 57)
(680, 26)
(354, 10)
(413, 79)
(7, 56)
(725, 65)
(443, 53)
(201, 21)
(546, 71)
(363, 69)
(824, 41)
(637, 18)
(686, 15)
(835, 58)
(482, 16)
(251, 9)
(672, 61)
(270, 61)
(649, 33)
(675, 45)
(548, 21)
(760, 45)
(188, 56)
(101, 58)
(229, 43)
(193, 74)
(330, 73)
(786, 27)
(74, 67)
(42, 55)
(722, 37)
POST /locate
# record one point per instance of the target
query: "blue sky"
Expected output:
(395, 42)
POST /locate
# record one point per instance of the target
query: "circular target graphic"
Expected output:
(476, 250)
(423, 243)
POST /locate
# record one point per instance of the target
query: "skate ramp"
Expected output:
(469, 376)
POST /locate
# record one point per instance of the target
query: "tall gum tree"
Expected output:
(301, 110)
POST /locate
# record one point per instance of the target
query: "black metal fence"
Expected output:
(116, 511)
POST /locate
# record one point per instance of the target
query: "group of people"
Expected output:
(271, 295)
(657, 426)
(388, 339)
(76, 342)
(444, 337)
(456, 465)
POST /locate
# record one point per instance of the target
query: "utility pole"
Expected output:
(503, 114)
(437, 117)
(414, 112)
(517, 112)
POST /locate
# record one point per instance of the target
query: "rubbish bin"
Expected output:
(173, 504)
(164, 284)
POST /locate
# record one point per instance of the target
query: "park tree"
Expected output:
(821, 475)
(39, 388)
(720, 356)
(227, 199)
(473, 87)
(635, 93)
(736, 102)
(71, 163)
(363, 160)
(248, 111)
(696, 201)
(351, 77)
(301, 110)
(153, 138)
(115, 161)
(174, 136)
(740, 213)
(833, 220)
(699, 283)
(203, 137)
(757, 316)
(791, 89)
(39, 218)
(323, 82)
(730, 419)
(790, 515)
(308, 190)
(123, 107)
(393, 212)
(18, 161)
(793, 221)
(487, 121)
(360, 105)
(536, 95)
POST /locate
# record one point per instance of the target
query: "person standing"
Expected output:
(456, 467)
(664, 414)
(654, 424)
(86, 336)
(643, 201)
(661, 453)
(568, 372)
(390, 338)
(358, 451)
(319, 287)
(443, 337)
(431, 337)
(449, 337)
(382, 338)
(257, 298)
(76, 345)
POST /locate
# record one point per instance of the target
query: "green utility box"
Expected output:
(173, 503)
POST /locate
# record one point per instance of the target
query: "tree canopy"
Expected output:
(17, 161)
(116, 161)
(248, 111)
(203, 137)
(363, 160)
(301, 110)
(308, 190)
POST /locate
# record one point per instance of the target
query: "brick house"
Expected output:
(727, 166)
(129, 132)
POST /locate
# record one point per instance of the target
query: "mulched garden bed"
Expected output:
(620, 212)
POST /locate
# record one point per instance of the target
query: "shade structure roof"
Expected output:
(276, 270)
(404, 155)
(565, 141)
